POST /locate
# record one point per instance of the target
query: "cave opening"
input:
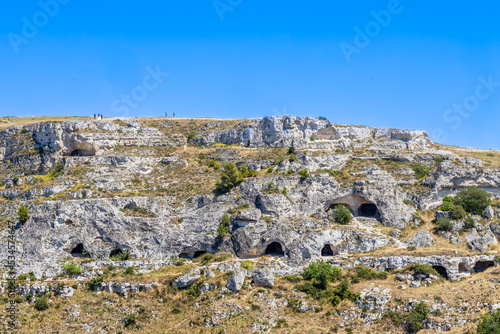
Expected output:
(115, 252)
(82, 150)
(441, 271)
(481, 266)
(368, 210)
(327, 250)
(79, 251)
(192, 254)
(274, 249)
(462, 268)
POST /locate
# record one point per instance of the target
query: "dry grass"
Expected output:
(6, 122)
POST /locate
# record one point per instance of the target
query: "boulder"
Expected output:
(422, 239)
(263, 277)
(188, 279)
(235, 282)
(246, 217)
(66, 292)
(489, 213)
(479, 242)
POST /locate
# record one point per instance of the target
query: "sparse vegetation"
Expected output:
(473, 200)
(230, 178)
(72, 268)
(23, 214)
(342, 214)
(304, 173)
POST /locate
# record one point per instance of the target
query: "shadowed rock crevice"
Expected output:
(274, 249)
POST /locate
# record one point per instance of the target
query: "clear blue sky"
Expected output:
(262, 58)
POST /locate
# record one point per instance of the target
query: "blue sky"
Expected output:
(415, 64)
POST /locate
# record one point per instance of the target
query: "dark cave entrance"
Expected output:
(368, 210)
(115, 252)
(481, 266)
(441, 271)
(327, 250)
(192, 255)
(77, 153)
(275, 249)
(79, 251)
(462, 268)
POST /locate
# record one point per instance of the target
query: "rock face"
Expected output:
(188, 279)
(288, 131)
(451, 267)
(478, 242)
(235, 282)
(422, 239)
(263, 277)
(489, 213)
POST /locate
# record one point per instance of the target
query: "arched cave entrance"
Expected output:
(441, 271)
(79, 251)
(192, 254)
(274, 249)
(368, 210)
(358, 205)
(115, 252)
(82, 150)
(247, 144)
(481, 266)
(327, 250)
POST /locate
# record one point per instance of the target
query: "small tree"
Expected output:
(473, 200)
(72, 268)
(457, 212)
(320, 273)
(230, 178)
(421, 170)
(416, 317)
(342, 214)
(223, 229)
(41, 304)
(23, 214)
(489, 324)
(190, 135)
(304, 173)
(444, 224)
(292, 157)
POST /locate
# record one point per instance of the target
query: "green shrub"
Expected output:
(489, 324)
(230, 178)
(58, 169)
(72, 268)
(247, 264)
(292, 157)
(223, 229)
(304, 173)
(190, 135)
(130, 319)
(444, 224)
(457, 212)
(369, 274)
(423, 269)
(342, 214)
(416, 317)
(447, 206)
(41, 304)
(23, 214)
(321, 273)
(448, 199)
(123, 256)
(217, 166)
(469, 223)
(473, 200)
(291, 150)
(176, 310)
(421, 171)
(206, 258)
(95, 283)
(211, 163)
(438, 159)
(342, 292)
(129, 271)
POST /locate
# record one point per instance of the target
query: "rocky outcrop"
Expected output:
(187, 279)
(263, 277)
(288, 131)
(235, 282)
(422, 239)
(480, 242)
(450, 267)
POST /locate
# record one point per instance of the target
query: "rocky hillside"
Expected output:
(136, 221)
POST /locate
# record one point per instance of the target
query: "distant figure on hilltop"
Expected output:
(173, 115)
(95, 116)
(166, 114)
